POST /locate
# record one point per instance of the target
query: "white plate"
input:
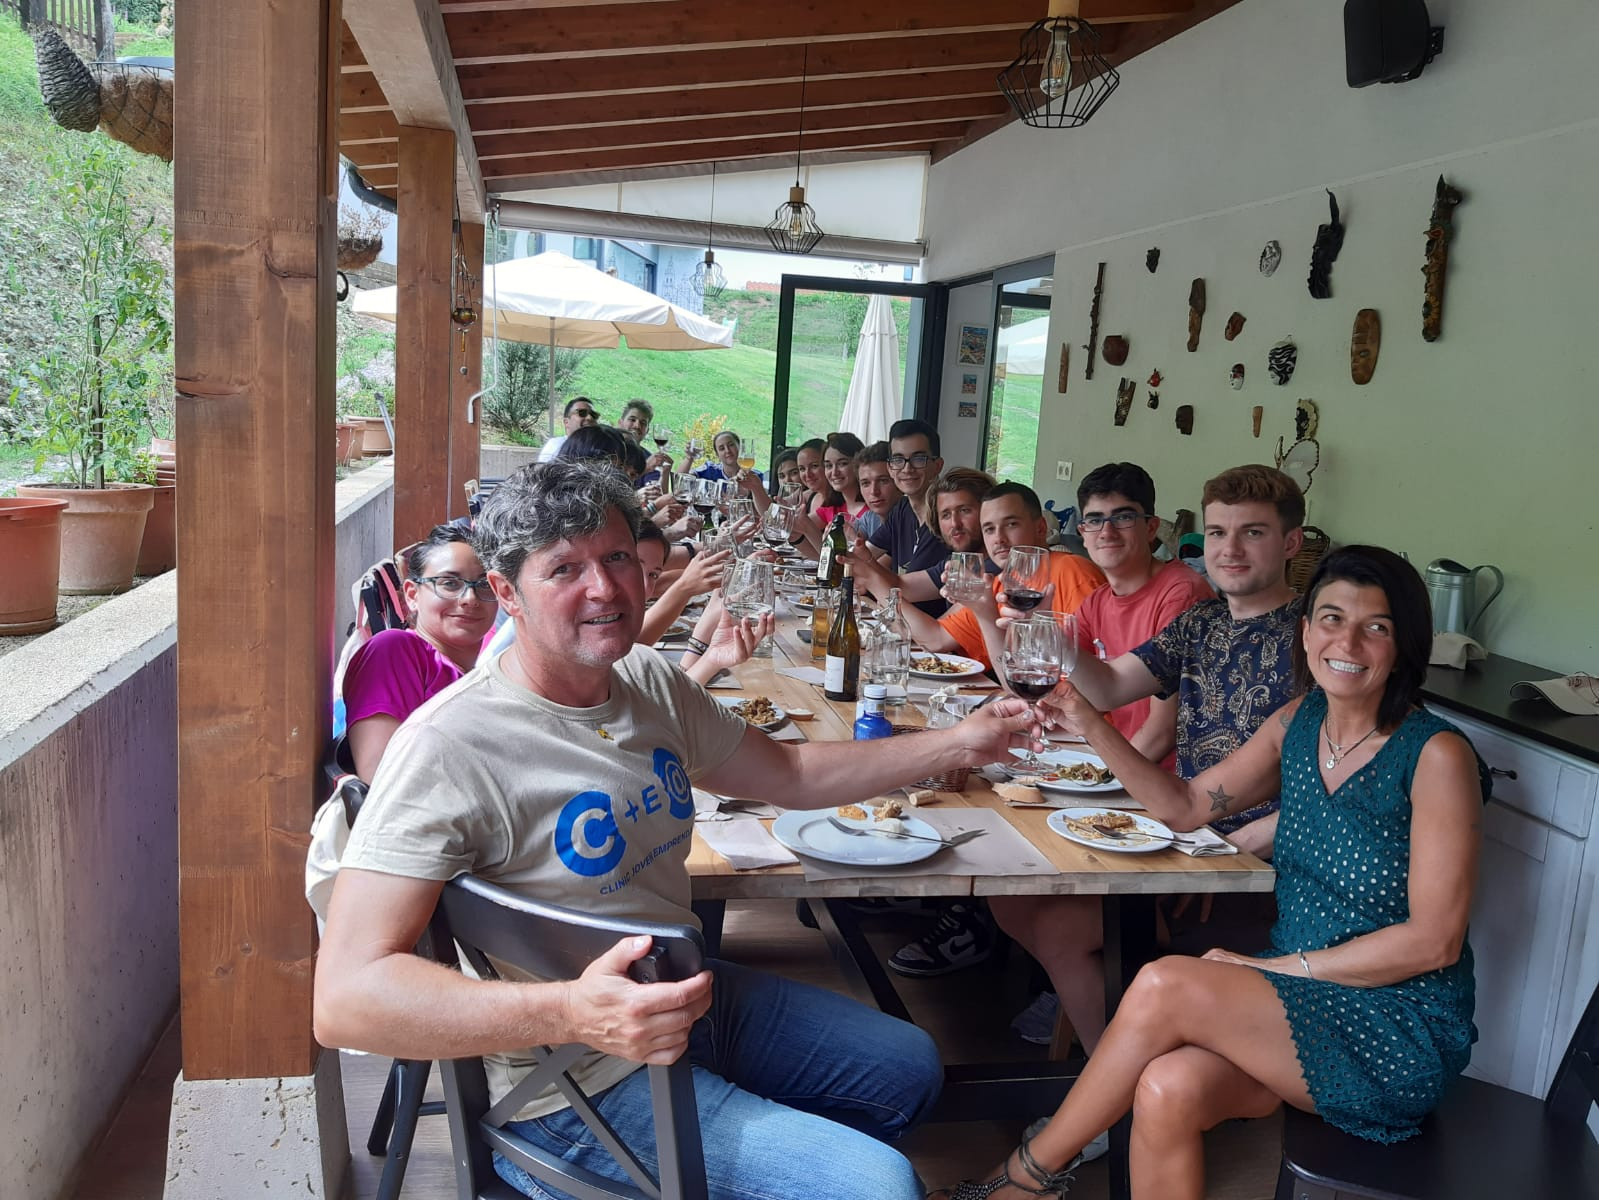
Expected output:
(808, 833)
(731, 701)
(970, 668)
(1060, 760)
(1149, 835)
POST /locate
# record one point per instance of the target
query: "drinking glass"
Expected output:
(1025, 577)
(964, 579)
(1033, 658)
(746, 456)
(778, 525)
(750, 590)
(703, 496)
(662, 436)
(1067, 623)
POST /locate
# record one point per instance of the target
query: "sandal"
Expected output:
(1050, 1184)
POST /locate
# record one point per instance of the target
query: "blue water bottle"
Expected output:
(872, 723)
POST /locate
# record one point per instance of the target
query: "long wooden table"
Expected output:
(1128, 882)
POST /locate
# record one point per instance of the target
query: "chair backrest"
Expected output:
(484, 921)
(1576, 1087)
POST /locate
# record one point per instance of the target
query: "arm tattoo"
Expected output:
(1285, 718)
(1219, 800)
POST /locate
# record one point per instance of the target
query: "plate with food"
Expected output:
(1111, 829)
(805, 601)
(677, 630)
(926, 665)
(1063, 771)
(758, 711)
(809, 833)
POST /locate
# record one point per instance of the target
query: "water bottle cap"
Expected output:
(876, 691)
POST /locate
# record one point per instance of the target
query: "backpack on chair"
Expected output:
(380, 604)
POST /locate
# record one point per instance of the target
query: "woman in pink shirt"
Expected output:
(453, 609)
(839, 464)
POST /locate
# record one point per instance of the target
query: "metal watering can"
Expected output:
(1452, 588)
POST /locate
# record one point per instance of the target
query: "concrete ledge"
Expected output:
(496, 462)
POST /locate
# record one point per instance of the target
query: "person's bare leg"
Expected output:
(1066, 934)
(1180, 1095)
(1229, 1010)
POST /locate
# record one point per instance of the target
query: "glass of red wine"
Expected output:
(1034, 656)
(1025, 577)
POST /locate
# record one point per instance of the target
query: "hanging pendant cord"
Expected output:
(799, 141)
(710, 228)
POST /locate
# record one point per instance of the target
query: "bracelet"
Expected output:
(697, 646)
(1305, 962)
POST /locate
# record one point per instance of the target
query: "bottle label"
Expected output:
(833, 674)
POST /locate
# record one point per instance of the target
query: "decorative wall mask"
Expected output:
(1196, 313)
(1329, 241)
(1364, 345)
(1093, 324)
(1124, 400)
(1281, 360)
(1154, 378)
(1271, 258)
(1116, 347)
(1152, 259)
(1235, 326)
(1307, 420)
(1185, 419)
(1439, 231)
(1153, 399)
(1255, 415)
(1065, 362)
(1235, 377)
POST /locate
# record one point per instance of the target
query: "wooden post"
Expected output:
(255, 214)
(466, 441)
(422, 391)
(105, 31)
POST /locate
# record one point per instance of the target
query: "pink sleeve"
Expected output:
(1181, 596)
(393, 674)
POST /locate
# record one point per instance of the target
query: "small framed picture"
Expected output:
(968, 385)
(968, 408)
(974, 344)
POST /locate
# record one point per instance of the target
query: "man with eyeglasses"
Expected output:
(579, 411)
(908, 541)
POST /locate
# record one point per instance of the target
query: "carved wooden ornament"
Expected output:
(1093, 324)
(1235, 326)
(1152, 259)
(1116, 347)
(1065, 361)
(1255, 416)
(1364, 344)
(1196, 313)
(1185, 419)
(1439, 230)
(1124, 400)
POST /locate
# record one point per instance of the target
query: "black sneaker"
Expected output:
(963, 937)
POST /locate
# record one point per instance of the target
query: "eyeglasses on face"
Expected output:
(584, 413)
(1124, 519)
(918, 460)
(453, 587)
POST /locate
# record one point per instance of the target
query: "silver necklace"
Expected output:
(1336, 753)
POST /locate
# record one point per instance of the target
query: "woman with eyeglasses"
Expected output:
(453, 609)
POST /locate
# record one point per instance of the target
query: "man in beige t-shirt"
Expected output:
(561, 769)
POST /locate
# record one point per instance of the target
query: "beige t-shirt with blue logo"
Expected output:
(589, 808)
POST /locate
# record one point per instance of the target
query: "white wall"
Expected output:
(1480, 446)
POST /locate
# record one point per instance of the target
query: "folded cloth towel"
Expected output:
(1455, 650)
(745, 843)
(1203, 842)
(1576, 694)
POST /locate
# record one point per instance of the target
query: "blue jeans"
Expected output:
(798, 1090)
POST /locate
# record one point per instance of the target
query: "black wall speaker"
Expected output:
(1388, 41)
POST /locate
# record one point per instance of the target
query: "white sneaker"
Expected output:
(1096, 1149)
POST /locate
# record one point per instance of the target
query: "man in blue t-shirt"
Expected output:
(908, 540)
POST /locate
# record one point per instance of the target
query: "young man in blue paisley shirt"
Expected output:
(562, 769)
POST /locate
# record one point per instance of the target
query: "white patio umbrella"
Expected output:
(876, 390)
(551, 299)
(1022, 347)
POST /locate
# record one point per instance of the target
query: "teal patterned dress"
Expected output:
(1376, 1059)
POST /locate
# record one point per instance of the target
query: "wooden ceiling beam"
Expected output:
(406, 47)
(356, 129)
(350, 56)
(744, 100)
(708, 133)
(503, 185)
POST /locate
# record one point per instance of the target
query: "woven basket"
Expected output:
(947, 781)
(1317, 543)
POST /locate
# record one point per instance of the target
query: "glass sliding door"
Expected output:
(1016, 384)
(835, 333)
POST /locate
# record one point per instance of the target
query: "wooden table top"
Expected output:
(1079, 869)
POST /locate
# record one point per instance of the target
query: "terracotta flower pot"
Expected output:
(100, 534)
(158, 551)
(375, 440)
(351, 435)
(30, 546)
(166, 448)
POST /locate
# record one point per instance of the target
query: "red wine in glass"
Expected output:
(1024, 599)
(660, 441)
(1033, 683)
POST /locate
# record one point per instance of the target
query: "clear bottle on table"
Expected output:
(825, 601)
(886, 651)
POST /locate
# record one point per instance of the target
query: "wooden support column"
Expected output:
(466, 440)
(255, 215)
(422, 383)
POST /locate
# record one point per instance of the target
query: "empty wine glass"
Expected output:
(964, 580)
(749, 590)
(1025, 577)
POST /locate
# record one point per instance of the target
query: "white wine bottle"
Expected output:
(842, 674)
(830, 563)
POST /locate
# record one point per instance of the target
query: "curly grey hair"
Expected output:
(545, 503)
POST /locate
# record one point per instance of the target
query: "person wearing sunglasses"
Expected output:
(453, 608)
(579, 411)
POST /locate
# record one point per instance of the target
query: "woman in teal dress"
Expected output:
(1361, 1009)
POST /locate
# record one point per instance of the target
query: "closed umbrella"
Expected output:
(551, 299)
(876, 395)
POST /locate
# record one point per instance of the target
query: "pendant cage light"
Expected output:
(793, 228)
(1061, 77)
(709, 280)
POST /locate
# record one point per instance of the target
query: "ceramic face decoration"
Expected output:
(1271, 258)
(1281, 360)
(1235, 377)
(1364, 344)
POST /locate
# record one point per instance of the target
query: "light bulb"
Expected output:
(796, 221)
(1056, 79)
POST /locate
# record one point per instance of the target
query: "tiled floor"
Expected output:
(967, 1013)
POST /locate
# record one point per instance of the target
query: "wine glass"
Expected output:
(1034, 655)
(964, 580)
(749, 590)
(746, 456)
(1025, 577)
(704, 497)
(778, 525)
(662, 436)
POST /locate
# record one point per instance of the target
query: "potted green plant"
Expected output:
(95, 383)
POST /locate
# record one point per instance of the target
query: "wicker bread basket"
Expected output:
(945, 781)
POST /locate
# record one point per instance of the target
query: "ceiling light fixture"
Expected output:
(793, 228)
(1062, 77)
(709, 279)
